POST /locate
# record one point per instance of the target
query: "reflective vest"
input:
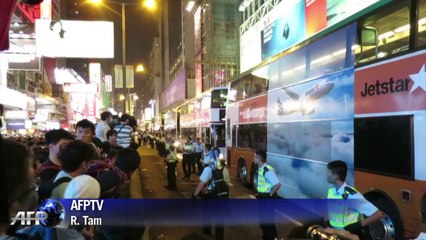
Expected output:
(172, 157)
(263, 185)
(187, 148)
(340, 215)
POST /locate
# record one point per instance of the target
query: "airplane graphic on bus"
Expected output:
(304, 103)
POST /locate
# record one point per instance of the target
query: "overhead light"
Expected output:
(190, 5)
(402, 28)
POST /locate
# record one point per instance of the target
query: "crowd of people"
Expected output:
(92, 162)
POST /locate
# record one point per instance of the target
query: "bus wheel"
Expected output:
(242, 171)
(390, 226)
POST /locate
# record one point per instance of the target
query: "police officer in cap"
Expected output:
(267, 188)
(171, 160)
(347, 213)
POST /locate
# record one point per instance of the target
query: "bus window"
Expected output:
(393, 31)
(220, 132)
(252, 136)
(219, 98)
(188, 132)
(421, 37)
(384, 145)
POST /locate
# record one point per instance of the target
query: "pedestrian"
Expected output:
(56, 140)
(188, 150)
(267, 188)
(85, 131)
(124, 131)
(344, 214)
(18, 194)
(171, 161)
(103, 127)
(75, 160)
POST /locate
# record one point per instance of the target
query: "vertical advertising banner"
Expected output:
(95, 73)
(108, 83)
(118, 70)
(130, 76)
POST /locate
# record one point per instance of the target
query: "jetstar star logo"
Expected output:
(419, 79)
(396, 86)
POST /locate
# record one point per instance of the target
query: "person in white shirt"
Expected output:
(103, 127)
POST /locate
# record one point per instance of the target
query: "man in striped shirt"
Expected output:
(124, 131)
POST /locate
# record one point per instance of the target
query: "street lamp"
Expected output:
(150, 4)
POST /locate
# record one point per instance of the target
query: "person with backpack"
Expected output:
(213, 185)
(267, 188)
(55, 140)
(75, 160)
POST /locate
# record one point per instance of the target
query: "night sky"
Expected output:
(141, 27)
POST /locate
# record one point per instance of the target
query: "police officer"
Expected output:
(207, 183)
(188, 155)
(346, 214)
(171, 160)
(267, 188)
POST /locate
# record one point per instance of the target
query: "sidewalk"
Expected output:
(135, 180)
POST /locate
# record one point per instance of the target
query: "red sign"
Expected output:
(253, 110)
(203, 118)
(392, 86)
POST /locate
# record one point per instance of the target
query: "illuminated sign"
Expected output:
(16, 115)
(95, 72)
(74, 39)
(108, 83)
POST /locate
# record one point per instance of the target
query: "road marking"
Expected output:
(294, 221)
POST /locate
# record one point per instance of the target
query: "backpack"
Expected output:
(219, 187)
(97, 167)
(45, 190)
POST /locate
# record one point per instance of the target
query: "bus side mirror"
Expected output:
(368, 36)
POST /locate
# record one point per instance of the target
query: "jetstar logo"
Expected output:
(396, 86)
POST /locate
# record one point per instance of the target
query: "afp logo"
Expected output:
(50, 213)
(29, 218)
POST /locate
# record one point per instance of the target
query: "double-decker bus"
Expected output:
(204, 117)
(355, 91)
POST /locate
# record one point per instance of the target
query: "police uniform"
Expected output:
(344, 213)
(171, 169)
(266, 180)
(207, 177)
(188, 155)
